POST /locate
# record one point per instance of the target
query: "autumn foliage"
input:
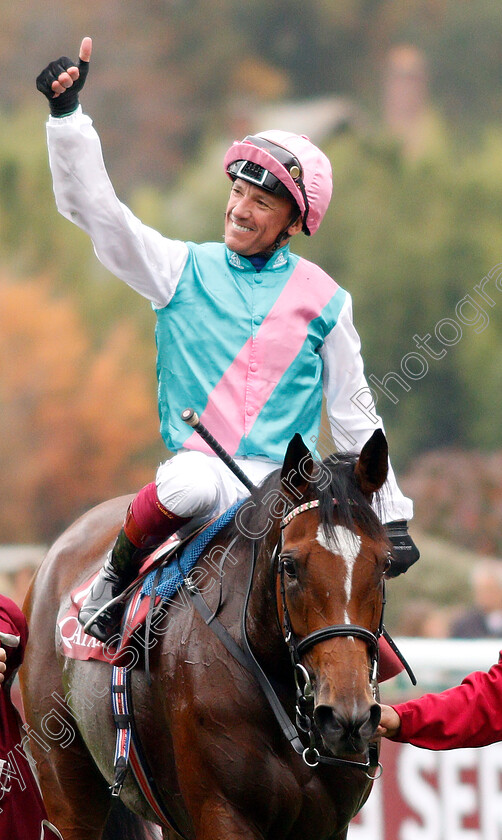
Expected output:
(77, 423)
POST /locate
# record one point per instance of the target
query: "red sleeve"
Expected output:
(22, 810)
(468, 715)
(13, 633)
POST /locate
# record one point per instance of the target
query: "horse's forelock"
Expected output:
(352, 506)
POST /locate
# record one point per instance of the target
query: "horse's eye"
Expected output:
(387, 563)
(289, 567)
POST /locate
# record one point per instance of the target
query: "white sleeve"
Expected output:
(351, 425)
(147, 261)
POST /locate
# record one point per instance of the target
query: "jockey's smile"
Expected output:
(254, 219)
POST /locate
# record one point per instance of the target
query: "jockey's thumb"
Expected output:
(85, 50)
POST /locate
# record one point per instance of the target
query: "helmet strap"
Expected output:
(284, 235)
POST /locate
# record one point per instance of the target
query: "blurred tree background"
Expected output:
(405, 99)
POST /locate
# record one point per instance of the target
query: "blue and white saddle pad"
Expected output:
(176, 571)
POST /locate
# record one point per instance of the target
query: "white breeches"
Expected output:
(201, 486)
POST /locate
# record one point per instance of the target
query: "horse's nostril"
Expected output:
(325, 718)
(340, 730)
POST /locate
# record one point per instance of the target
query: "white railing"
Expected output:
(440, 663)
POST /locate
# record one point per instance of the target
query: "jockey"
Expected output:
(248, 334)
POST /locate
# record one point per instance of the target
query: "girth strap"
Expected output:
(122, 720)
(130, 751)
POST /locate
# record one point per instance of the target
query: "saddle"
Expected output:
(163, 573)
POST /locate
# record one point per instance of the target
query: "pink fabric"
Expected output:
(75, 644)
(317, 176)
(296, 309)
(389, 663)
(12, 623)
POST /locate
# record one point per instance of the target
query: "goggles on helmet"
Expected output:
(261, 177)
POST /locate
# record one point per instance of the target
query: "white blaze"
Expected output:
(346, 545)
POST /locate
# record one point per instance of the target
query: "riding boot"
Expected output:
(123, 562)
(118, 571)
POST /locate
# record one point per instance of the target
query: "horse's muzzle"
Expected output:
(345, 734)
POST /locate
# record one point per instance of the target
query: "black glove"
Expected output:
(404, 550)
(66, 102)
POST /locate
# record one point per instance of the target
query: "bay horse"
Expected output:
(315, 555)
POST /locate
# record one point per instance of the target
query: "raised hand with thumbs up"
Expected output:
(62, 80)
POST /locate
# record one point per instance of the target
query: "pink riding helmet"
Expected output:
(285, 164)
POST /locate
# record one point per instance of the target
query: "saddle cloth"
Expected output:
(174, 574)
(75, 644)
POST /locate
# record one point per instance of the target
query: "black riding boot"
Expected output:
(122, 564)
(119, 570)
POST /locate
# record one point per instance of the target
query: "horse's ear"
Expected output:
(298, 468)
(373, 463)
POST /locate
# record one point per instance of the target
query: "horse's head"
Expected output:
(333, 558)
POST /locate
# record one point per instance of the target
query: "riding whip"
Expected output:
(191, 417)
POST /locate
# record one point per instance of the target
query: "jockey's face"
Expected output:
(254, 219)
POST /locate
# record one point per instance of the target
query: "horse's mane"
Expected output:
(337, 481)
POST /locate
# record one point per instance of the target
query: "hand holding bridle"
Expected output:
(390, 723)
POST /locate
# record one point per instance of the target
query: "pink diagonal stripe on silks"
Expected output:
(297, 305)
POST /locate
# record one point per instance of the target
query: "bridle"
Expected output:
(244, 654)
(325, 633)
(298, 647)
